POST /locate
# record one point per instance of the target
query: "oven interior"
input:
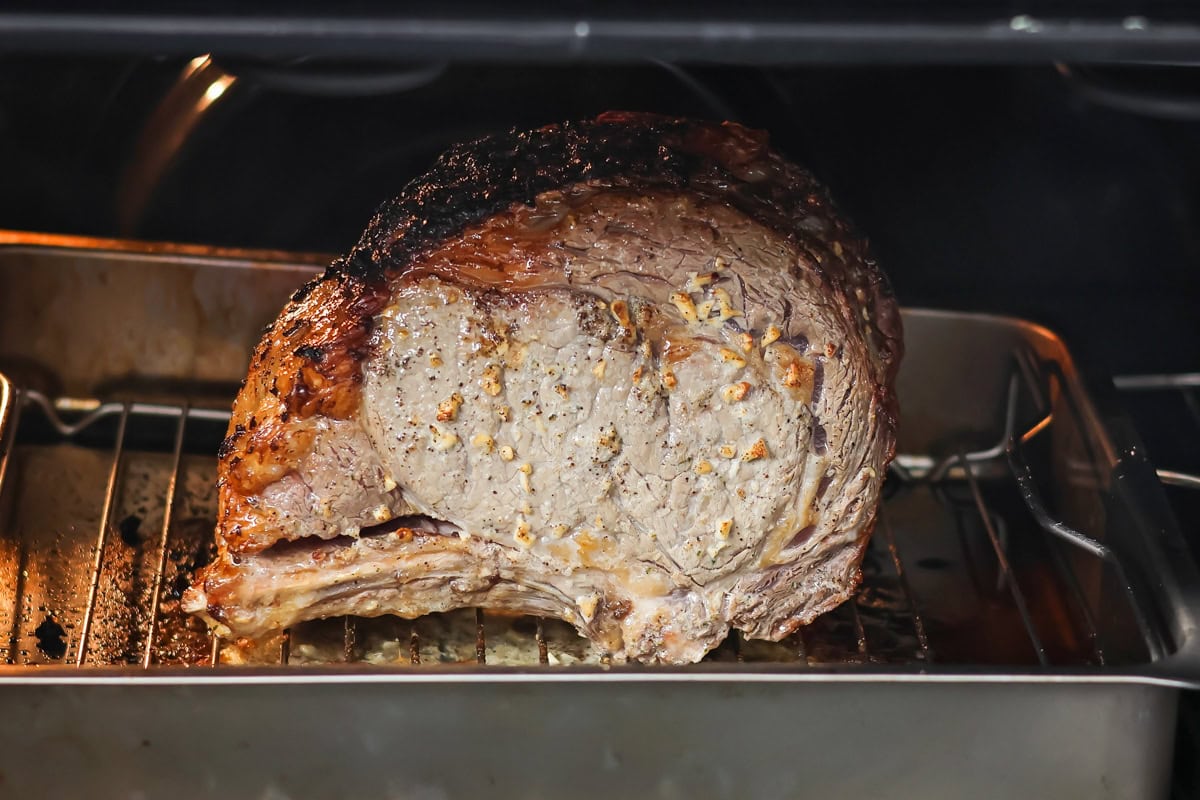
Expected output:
(1014, 534)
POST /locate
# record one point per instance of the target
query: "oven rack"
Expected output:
(962, 483)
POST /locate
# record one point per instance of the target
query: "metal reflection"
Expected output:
(198, 88)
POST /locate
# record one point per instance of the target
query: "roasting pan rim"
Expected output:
(251, 258)
(1157, 675)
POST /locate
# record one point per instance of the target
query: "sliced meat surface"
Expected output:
(634, 373)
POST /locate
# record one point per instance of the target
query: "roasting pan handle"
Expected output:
(1162, 567)
(1141, 544)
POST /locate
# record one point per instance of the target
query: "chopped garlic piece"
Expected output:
(686, 306)
(598, 370)
(794, 377)
(523, 534)
(442, 440)
(733, 358)
(484, 442)
(609, 439)
(725, 307)
(735, 392)
(771, 335)
(757, 450)
(491, 380)
(587, 607)
(507, 453)
(703, 467)
(447, 410)
(620, 312)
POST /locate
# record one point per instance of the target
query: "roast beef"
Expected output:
(635, 373)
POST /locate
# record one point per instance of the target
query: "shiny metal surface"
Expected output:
(1075, 697)
(1185, 385)
(588, 739)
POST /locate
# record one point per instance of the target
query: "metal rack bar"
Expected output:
(1033, 501)
(214, 658)
(110, 493)
(1185, 384)
(926, 469)
(414, 646)
(1027, 486)
(1089, 621)
(349, 639)
(1156, 381)
(860, 632)
(1173, 478)
(14, 631)
(1031, 372)
(168, 508)
(96, 411)
(801, 647)
(285, 647)
(905, 587)
(11, 405)
(480, 640)
(1005, 569)
(540, 636)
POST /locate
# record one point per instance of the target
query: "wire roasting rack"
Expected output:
(1038, 603)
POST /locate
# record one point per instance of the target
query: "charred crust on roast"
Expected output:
(617, 609)
(304, 291)
(314, 354)
(724, 163)
(229, 443)
(296, 325)
(474, 181)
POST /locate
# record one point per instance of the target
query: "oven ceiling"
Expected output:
(765, 31)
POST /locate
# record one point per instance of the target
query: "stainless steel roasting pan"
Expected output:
(1026, 622)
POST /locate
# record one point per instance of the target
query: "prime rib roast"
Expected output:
(634, 373)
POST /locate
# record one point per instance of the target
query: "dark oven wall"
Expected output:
(1021, 190)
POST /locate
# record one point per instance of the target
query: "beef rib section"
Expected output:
(634, 373)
